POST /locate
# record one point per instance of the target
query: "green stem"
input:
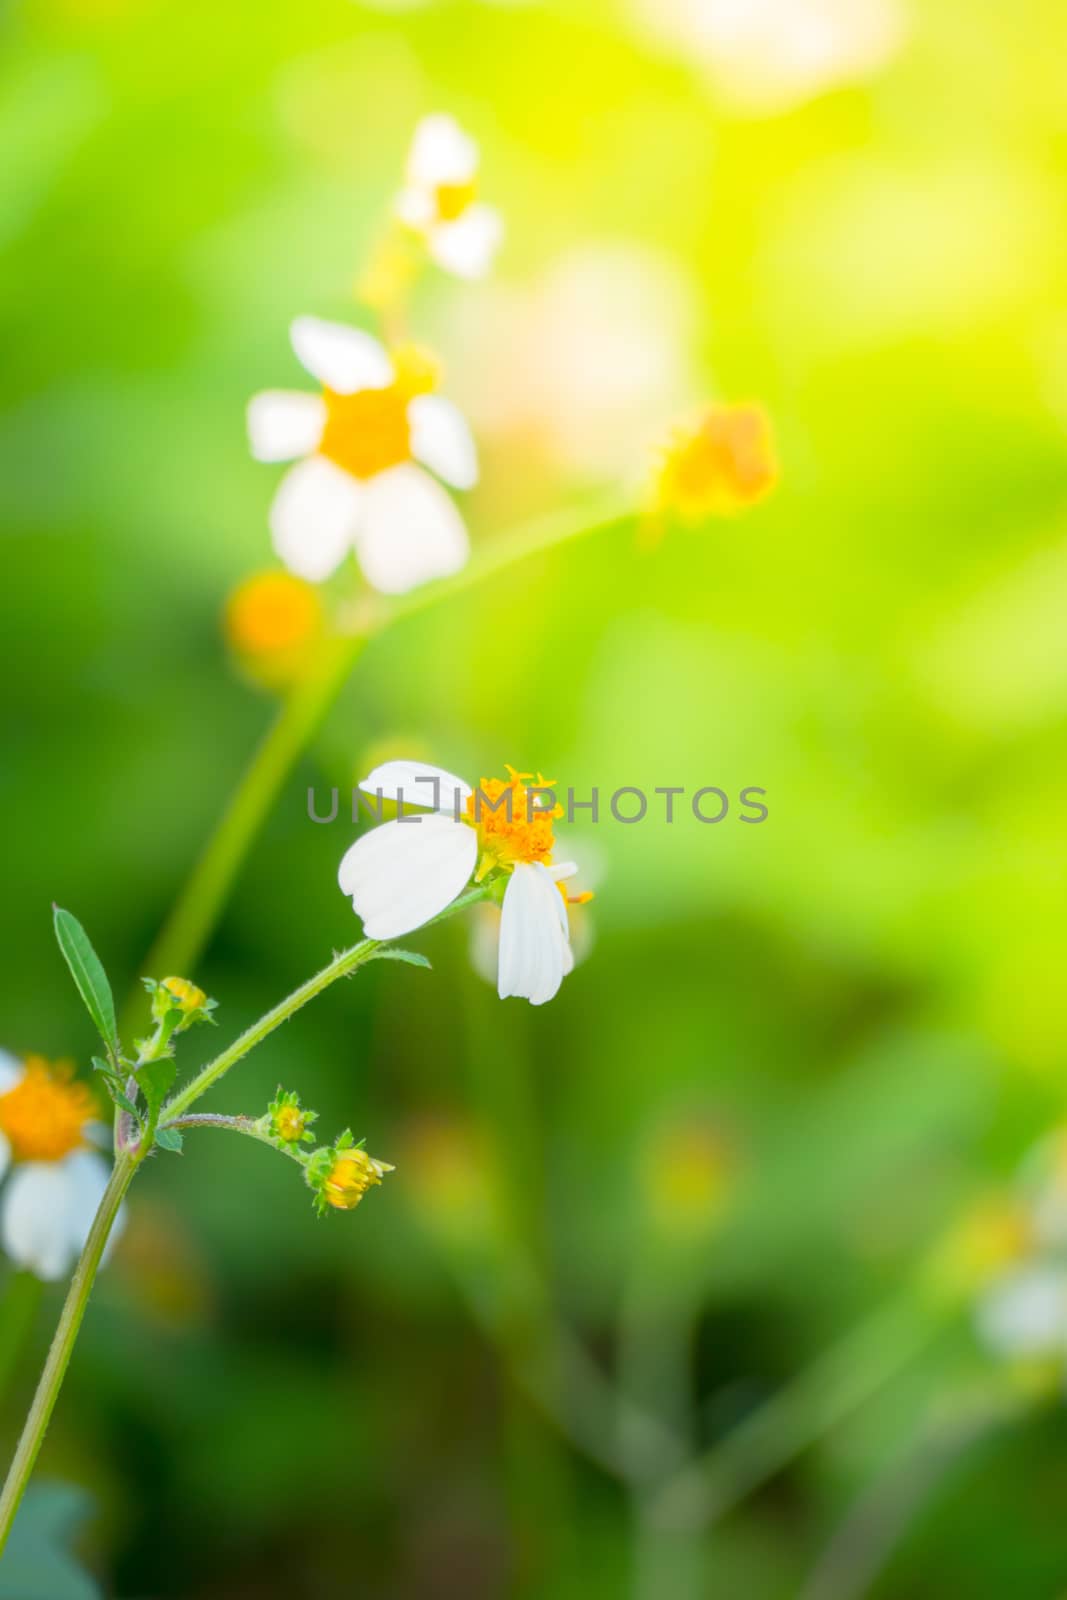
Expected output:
(190, 923)
(794, 1418)
(21, 1301)
(340, 967)
(59, 1355)
(192, 919)
(246, 1125)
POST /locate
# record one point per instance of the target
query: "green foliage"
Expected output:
(89, 978)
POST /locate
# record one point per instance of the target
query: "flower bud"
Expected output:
(350, 1175)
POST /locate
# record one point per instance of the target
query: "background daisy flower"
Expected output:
(54, 1178)
(365, 443)
(404, 873)
(439, 200)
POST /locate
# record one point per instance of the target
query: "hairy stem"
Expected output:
(66, 1333)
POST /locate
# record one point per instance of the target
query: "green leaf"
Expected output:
(169, 1139)
(390, 953)
(157, 1079)
(89, 977)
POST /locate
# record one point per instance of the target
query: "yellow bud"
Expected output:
(272, 623)
(290, 1123)
(719, 465)
(186, 995)
(352, 1174)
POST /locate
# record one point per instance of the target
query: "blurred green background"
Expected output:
(795, 1051)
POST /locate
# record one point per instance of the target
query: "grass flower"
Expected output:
(55, 1179)
(719, 465)
(404, 873)
(364, 444)
(440, 202)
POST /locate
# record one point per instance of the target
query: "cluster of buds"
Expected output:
(339, 1174)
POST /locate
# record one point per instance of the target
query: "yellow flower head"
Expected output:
(513, 820)
(185, 995)
(272, 623)
(45, 1114)
(718, 466)
(352, 1173)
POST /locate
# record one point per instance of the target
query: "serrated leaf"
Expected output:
(169, 1139)
(391, 953)
(89, 977)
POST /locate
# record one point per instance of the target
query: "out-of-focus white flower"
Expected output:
(404, 873)
(54, 1180)
(603, 342)
(1024, 1314)
(440, 202)
(768, 55)
(359, 485)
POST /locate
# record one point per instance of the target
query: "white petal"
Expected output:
(411, 532)
(283, 424)
(441, 152)
(417, 207)
(468, 245)
(87, 1175)
(313, 517)
(343, 359)
(534, 954)
(35, 1223)
(403, 873)
(11, 1071)
(420, 784)
(5, 1155)
(442, 441)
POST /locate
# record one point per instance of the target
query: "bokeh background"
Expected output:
(796, 1053)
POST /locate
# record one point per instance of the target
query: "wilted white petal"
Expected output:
(410, 531)
(87, 1175)
(313, 517)
(343, 359)
(283, 424)
(34, 1220)
(442, 441)
(534, 954)
(11, 1071)
(421, 785)
(1025, 1313)
(403, 873)
(468, 245)
(441, 153)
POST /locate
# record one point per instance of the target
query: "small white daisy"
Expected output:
(439, 199)
(56, 1180)
(404, 873)
(1024, 1313)
(360, 485)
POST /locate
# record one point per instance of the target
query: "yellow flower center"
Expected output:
(354, 1172)
(726, 462)
(514, 822)
(45, 1114)
(367, 432)
(289, 1124)
(271, 613)
(452, 199)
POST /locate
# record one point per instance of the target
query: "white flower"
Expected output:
(1025, 1313)
(439, 199)
(769, 55)
(404, 873)
(358, 486)
(56, 1181)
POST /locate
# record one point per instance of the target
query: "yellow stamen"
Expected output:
(45, 1115)
(722, 464)
(513, 821)
(367, 432)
